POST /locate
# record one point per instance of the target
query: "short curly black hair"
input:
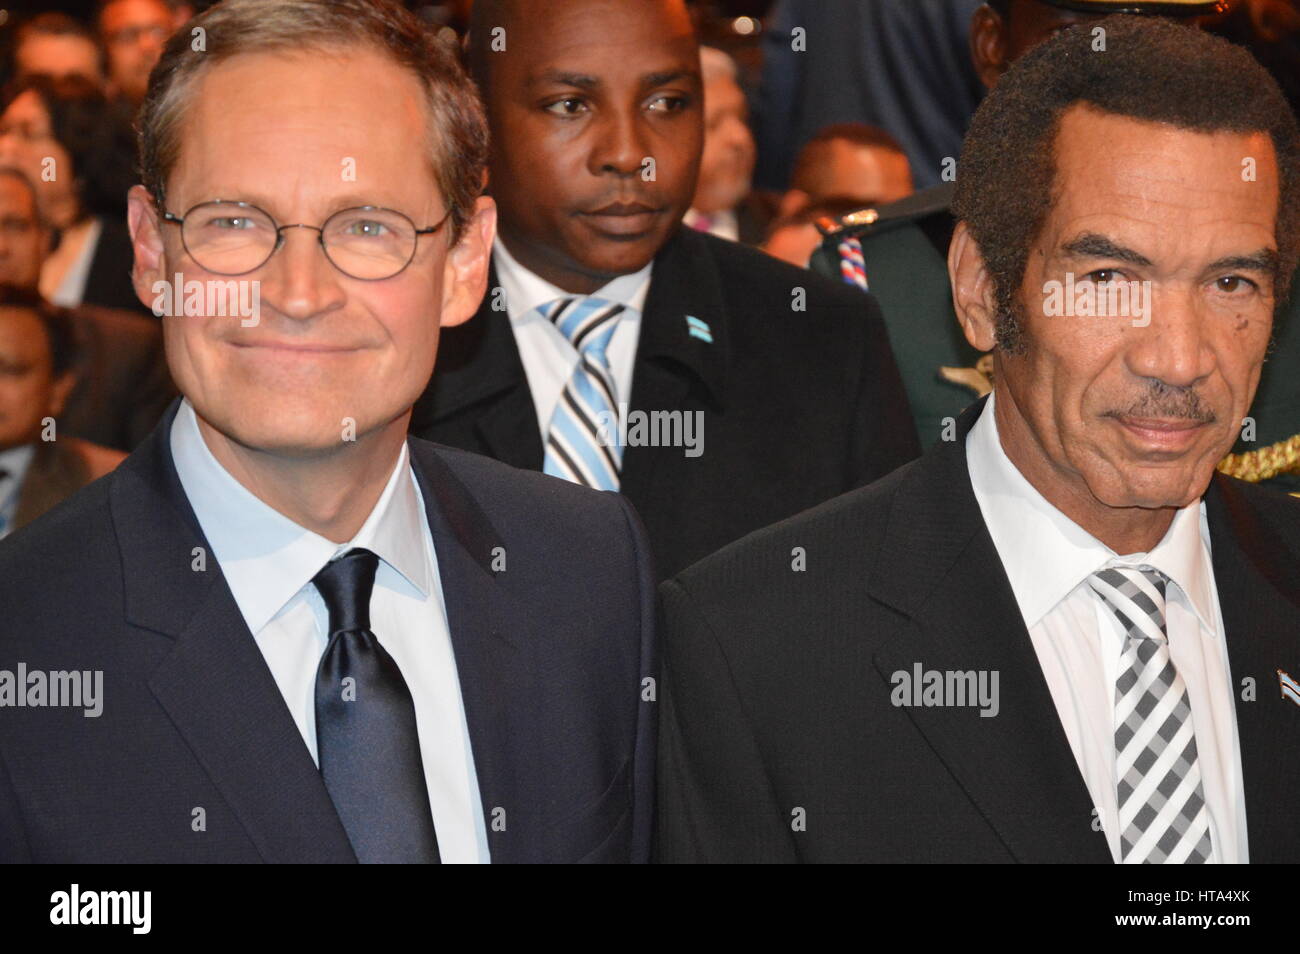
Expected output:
(1148, 71)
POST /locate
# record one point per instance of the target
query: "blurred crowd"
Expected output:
(795, 147)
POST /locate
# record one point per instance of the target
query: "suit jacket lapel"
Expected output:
(939, 568)
(214, 684)
(1258, 581)
(672, 364)
(479, 372)
(490, 637)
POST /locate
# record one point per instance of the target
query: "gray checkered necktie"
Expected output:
(1162, 813)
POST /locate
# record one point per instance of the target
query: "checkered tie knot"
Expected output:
(581, 443)
(1162, 813)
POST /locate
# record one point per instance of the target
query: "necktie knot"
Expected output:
(1136, 595)
(588, 323)
(345, 584)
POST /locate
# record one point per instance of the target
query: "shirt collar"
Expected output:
(1046, 554)
(525, 291)
(266, 557)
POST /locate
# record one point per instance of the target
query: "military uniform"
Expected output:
(900, 253)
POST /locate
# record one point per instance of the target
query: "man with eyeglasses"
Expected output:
(319, 641)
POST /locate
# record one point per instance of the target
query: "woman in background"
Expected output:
(80, 153)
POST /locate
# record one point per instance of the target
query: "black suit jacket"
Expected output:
(777, 686)
(551, 653)
(123, 386)
(799, 406)
(108, 283)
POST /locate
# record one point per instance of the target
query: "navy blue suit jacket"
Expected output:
(551, 652)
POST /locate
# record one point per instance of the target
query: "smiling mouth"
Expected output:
(288, 347)
(1162, 433)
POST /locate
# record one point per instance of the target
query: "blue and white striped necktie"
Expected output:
(581, 443)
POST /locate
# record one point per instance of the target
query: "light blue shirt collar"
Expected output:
(265, 556)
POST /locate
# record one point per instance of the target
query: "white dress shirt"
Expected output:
(13, 465)
(1079, 640)
(549, 358)
(72, 288)
(269, 561)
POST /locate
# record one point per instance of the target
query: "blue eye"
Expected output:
(367, 228)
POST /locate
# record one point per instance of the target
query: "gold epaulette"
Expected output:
(1264, 463)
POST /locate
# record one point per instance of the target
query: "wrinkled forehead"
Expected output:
(1128, 169)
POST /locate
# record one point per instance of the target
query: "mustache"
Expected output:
(1168, 401)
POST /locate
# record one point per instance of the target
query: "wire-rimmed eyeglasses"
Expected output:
(368, 242)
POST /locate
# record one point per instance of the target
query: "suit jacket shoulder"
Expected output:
(754, 279)
(543, 526)
(58, 470)
(761, 571)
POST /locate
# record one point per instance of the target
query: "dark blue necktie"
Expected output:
(366, 736)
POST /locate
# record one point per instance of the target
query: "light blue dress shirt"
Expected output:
(269, 561)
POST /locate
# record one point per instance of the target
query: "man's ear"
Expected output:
(147, 242)
(988, 45)
(972, 290)
(465, 273)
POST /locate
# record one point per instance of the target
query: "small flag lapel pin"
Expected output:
(699, 329)
(1290, 688)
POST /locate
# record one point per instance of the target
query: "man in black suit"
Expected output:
(1062, 636)
(719, 390)
(281, 631)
